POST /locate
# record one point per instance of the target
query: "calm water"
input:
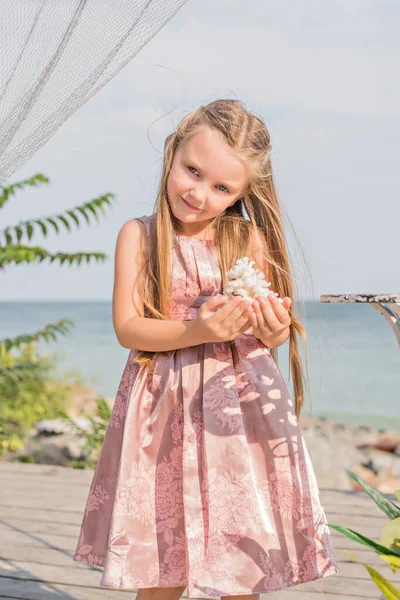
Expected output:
(352, 355)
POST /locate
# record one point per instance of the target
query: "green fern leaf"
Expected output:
(54, 223)
(29, 230)
(8, 191)
(83, 212)
(42, 227)
(74, 217)
(64, 221)
(51, 330)
(18, 231)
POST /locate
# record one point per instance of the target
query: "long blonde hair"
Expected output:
(247, 134)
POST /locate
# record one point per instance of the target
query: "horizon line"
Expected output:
(5, 300)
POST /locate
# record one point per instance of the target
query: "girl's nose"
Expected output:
(197, 195)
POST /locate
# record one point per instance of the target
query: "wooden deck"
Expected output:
(41, 508)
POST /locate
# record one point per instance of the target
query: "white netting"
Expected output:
(56, 54)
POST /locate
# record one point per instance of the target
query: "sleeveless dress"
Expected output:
(204, 479)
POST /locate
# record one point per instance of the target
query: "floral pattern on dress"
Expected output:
(204, 479)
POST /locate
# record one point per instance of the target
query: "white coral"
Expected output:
(244, 280)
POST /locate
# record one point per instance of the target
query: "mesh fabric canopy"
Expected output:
(56, 54)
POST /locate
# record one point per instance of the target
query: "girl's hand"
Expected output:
(270, 320)
(222, 320)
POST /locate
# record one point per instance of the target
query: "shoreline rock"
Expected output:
(372, 454)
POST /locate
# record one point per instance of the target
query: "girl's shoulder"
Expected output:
(146, 220)
(133, 234)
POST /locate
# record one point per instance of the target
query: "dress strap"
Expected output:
(145, 219)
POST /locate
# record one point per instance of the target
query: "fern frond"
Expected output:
(7, 191)
(14, 233)
(48, 333)
(19, 253)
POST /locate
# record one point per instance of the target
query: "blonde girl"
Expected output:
(204, 481)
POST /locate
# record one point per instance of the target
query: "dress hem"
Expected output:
(331, 571)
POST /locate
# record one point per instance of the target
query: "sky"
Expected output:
(322, 76)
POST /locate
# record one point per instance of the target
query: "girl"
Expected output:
(204, 480)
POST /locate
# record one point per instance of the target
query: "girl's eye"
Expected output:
(226, 189)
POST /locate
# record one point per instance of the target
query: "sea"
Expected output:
(351, 356)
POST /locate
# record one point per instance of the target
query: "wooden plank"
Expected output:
(46, 470)
(363, 553)
(48, 556)
(39, 490)
(27, 526)
(16, 538)
(23, 481)
(370, 508)
(51, 573)
(70, 501)
(358, 588)
(42, 515)
(42, 590)
(366, 513)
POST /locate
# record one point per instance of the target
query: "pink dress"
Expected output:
(204, 479)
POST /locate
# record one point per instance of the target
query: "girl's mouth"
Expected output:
(189, 205)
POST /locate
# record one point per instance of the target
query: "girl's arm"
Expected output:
(154, 335)
(132, 329)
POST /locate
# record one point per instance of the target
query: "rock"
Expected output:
(84, 423)
(56, 441)
(365, 437)
(53, 426)
(75, 448)
(58, 449)
(370, 465)
(58, 426)
(388, 440)
(384, 463)
(50, 454)
(331, 457)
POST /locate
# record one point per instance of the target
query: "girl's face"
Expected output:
(205, 179)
